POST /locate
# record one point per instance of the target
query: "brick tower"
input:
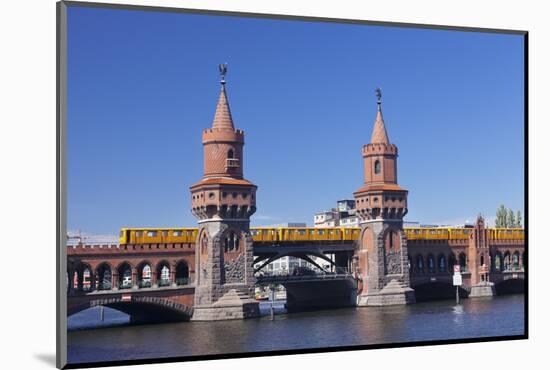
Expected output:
(383, 268)
(223, 202)
(479, 261)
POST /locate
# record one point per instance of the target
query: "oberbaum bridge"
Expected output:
(210, 272)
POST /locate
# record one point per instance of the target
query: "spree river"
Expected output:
(117, 340)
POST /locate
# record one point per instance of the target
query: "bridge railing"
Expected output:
(275, 278)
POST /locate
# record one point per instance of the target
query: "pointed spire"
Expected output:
(222, 118)
(379, 134)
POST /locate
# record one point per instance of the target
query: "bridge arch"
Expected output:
(125, 275)
(515, 261)
(163, 272)
(507, 260)
(144, 274)
(104, 275)
(182, 273)
(498, 262)
(83, 278)
(140, 309)
(305, 255)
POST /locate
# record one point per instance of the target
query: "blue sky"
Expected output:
(142, 86)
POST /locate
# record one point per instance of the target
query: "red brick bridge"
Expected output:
(156, 280)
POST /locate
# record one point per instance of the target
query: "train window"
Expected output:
(121, 233)
(302, 232)
(321, 232)
(164, 232)
(189, 232)
(139, 234)
(177, 233)
(151, 233)
(311, 232)
(254, 232)
(432, 232)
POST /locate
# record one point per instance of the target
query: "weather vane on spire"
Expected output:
(223, 72)
(379, 96)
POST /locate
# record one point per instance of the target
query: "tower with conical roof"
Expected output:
(223, 202)
(383, 268)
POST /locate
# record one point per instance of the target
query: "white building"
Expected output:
(343, 215)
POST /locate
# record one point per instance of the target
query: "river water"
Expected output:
(472, 318)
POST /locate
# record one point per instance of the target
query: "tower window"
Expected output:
(377, 167)
(231, 161)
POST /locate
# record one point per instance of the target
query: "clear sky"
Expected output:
(142, 86)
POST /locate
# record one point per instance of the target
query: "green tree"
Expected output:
(501, 216)
(511, 219)
(518, 219)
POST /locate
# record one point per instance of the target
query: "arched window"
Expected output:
(452, 262)
(144, 276)
(86, 279)
(515, 261)
(462, 262)
(230, 154)
(482, 260)
(498, 262)
(377, 167)
(125, 276)
(104, 277)
(441, 264)
(182, 273)
(507, 265)
(164, 276)
(231, 242)
(420, 263)
(431, 263)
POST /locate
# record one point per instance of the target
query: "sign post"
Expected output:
(457, 280)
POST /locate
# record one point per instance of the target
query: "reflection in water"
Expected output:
(331, 328)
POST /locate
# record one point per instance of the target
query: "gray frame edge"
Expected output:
(61, 188)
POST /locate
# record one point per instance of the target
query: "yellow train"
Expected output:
(299, 234)
(437, 233)
(455, 233)
(157, 235)
(502, 233)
